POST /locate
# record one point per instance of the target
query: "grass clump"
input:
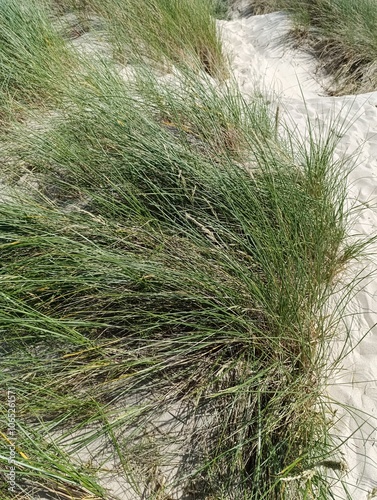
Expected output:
(221, 8)
(260, 7)
(342, 34)
(160, 278)
(165, 32)
(34, 59)
(191, 117)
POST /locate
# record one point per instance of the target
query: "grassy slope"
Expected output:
(179, 255)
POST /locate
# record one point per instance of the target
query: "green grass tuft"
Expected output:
(165, 290)
(163, 271)
(182, 33)
(34, 60)
(341, 33)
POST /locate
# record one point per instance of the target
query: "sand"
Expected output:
(261, 55)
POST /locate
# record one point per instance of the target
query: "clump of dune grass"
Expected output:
(34, 60)
(342, 34)
(259, 7)
(221, 9)
(162, 271)
(165, 32)
(185, 112)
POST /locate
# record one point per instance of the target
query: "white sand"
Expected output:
(260, 55)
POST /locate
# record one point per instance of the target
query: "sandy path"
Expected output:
(260, 56)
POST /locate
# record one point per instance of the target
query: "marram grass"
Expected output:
(34, 60)
(341, 33)
(162, 276)
(165, 32)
